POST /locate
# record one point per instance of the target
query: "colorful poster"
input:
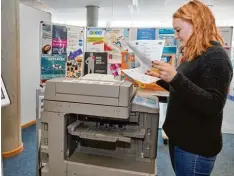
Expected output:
(52, 66)
(146, 34)
(59, 40)
(95, 62)
(167, 34)
(128, 60)
(115, 69)
(74, 68)
(75, 50)
(114, 43)
(95, 39)
(46, 47)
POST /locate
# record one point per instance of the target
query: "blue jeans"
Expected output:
(188, 164)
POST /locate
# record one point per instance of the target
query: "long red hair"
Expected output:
(204, 28)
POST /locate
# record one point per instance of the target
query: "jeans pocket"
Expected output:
(204, 165)
(187, 163)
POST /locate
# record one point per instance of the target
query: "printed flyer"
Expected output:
(46, 30)
(59, 40)
(146, 34)
(95, 62)
(115, 43)
(46, 47)
(95, 39)
(75, 40)
(75, 50)
(52, 66)
(74, 67)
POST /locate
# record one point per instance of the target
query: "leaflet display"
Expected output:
(63, 44)
(62, 48)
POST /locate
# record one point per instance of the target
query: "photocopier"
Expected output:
(97, 126)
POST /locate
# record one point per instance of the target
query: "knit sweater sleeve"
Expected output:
(163, 84)
(209, 97)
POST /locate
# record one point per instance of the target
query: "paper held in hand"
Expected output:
(146, 51)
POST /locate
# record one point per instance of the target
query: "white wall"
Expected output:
(30, 19)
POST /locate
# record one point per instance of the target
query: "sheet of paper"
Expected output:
(147, 51)
(137, 74)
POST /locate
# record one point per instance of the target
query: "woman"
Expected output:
(46, 49)
(198, 91)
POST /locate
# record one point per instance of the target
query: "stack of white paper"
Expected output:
(147, 51)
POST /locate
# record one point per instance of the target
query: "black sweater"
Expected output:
(198, 94)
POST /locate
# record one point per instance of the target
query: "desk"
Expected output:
(146, 92)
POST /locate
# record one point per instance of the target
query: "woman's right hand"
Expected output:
(152, 73)
(165, 71)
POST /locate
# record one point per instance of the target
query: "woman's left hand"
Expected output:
(165, 71)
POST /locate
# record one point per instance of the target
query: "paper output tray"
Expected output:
(104, 134)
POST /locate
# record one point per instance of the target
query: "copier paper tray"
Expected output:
(104, 134)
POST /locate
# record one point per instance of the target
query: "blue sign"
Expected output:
(166, 59)
(166, 31)
(146, 34)
(169, 50)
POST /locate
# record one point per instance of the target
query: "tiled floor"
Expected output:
(25, 163)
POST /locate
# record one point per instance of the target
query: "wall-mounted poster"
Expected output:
(167, 34)
(74, 67)
(46, 38)
(114, 43)
(226, 33)
(95, 39)
(75, 40)
(146, 34)
(95, 62)
(52, 66)
(59, 40)
(75, 50)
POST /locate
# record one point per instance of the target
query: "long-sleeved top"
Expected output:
(197, 97)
